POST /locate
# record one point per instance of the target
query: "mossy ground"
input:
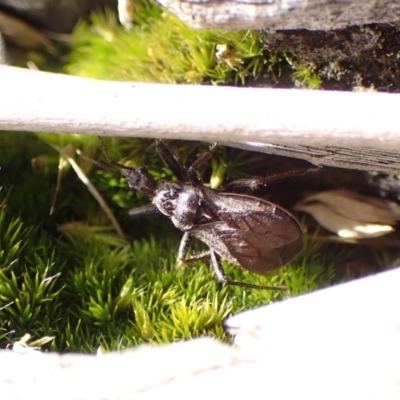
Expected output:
(67, 274)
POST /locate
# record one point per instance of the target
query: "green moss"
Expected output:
(161, 48)
(305, 76)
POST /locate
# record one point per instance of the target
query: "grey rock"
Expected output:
(284, 14)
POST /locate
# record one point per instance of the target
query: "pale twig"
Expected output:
(93, 191)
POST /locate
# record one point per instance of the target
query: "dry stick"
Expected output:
(93, 191)
(363, 128)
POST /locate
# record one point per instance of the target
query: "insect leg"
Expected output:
(143, 211)
(221, 276)
(257, 182)
(169, 159)
(192, 171)
(184, 249)
(184, 246)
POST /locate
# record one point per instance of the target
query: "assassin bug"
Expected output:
(247, 231)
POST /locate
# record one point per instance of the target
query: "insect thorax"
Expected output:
(180, 202)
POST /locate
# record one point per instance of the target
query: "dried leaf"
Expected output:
(350, 214)
(357, 206)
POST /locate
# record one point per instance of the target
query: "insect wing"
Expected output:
(252, 233)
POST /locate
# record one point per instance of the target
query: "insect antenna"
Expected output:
(98, 163)
(111, 161)
(94, 191)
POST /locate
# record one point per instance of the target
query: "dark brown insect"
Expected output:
(245, 230)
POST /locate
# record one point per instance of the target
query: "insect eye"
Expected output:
(168, 206)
